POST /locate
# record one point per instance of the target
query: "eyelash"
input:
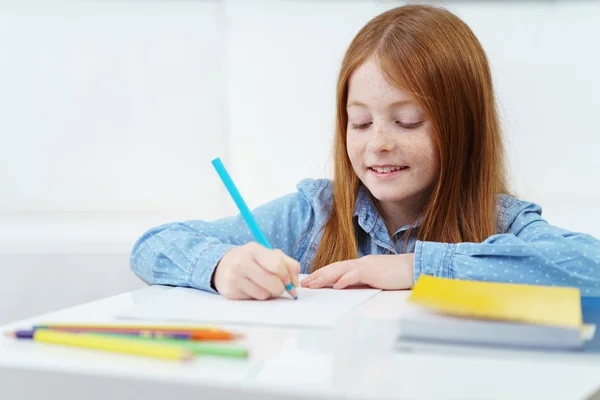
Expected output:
(405, 126)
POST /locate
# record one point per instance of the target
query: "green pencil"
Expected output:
(194, 346)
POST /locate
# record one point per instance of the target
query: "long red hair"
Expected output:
(432, 54)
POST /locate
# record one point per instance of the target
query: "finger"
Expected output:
(235, 293)
(330, 274)
(293, 268)
(291, 279)
(349, 278)
(271, 261)
(274, 262)
(252, 290)
(264, 279)
(314, 275)
(306, 280)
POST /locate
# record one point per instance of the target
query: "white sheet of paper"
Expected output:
(314, 308)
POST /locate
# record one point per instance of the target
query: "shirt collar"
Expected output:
(368, 215)
(365, 210)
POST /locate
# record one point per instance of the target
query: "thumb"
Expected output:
(292, 266)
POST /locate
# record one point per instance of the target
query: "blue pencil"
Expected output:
(244, 210)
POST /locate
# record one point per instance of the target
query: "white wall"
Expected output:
(545, 59)
(112, 111)
(110, 105)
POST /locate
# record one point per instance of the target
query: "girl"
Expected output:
(419, 186)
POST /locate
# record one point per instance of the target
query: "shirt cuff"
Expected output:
(433, 258)
(204, 267)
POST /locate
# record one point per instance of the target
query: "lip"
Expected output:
(390, 174)
(386, 165)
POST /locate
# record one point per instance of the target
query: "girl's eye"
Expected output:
(361, 126)
(412, 125)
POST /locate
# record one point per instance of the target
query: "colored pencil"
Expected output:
(199, 348)
(110, 344)
(175, 333)
(126, 333)
(246, 213)
(131, 326)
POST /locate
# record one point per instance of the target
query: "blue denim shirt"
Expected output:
(526, 250)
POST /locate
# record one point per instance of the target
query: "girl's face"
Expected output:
(390, 141)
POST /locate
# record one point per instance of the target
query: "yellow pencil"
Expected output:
(117, 345)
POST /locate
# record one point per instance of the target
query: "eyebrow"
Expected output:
(355, 103)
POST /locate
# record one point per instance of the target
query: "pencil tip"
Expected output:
(295, 297)
(9, 333)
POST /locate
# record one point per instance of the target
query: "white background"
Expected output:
(111, 112)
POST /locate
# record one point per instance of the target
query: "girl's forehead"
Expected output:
(369, 74)
(368, 83)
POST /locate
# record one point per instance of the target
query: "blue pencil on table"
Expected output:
(29, 334)
(244, 210)
(125, 333)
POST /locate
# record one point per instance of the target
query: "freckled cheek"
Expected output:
(355, 141)
(355, 148)
(355, 158)
(424, 155)
(431, 163)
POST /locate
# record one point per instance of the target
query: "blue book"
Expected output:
(590, 307)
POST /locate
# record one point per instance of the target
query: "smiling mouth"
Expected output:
(388, 169)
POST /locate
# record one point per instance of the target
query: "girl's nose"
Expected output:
(380, 140)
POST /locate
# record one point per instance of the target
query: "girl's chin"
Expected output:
(388, 196)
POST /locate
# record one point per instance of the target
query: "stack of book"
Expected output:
(498, 314)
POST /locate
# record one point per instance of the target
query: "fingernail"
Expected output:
(289, 286)
(293, 293)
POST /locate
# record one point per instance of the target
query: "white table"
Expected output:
(352, 361)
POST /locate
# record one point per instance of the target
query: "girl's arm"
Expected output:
(532, 252)
(186, 253)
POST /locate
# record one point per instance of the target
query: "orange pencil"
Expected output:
(212, 335)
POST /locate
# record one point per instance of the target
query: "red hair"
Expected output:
(432, 54)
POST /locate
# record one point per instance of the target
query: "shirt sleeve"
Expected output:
(532, 252)
(186, 253)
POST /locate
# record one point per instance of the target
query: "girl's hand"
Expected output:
(386, 272)
(252, 271)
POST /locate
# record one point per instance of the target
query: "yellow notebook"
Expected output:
(498, 314)
(542, 305)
